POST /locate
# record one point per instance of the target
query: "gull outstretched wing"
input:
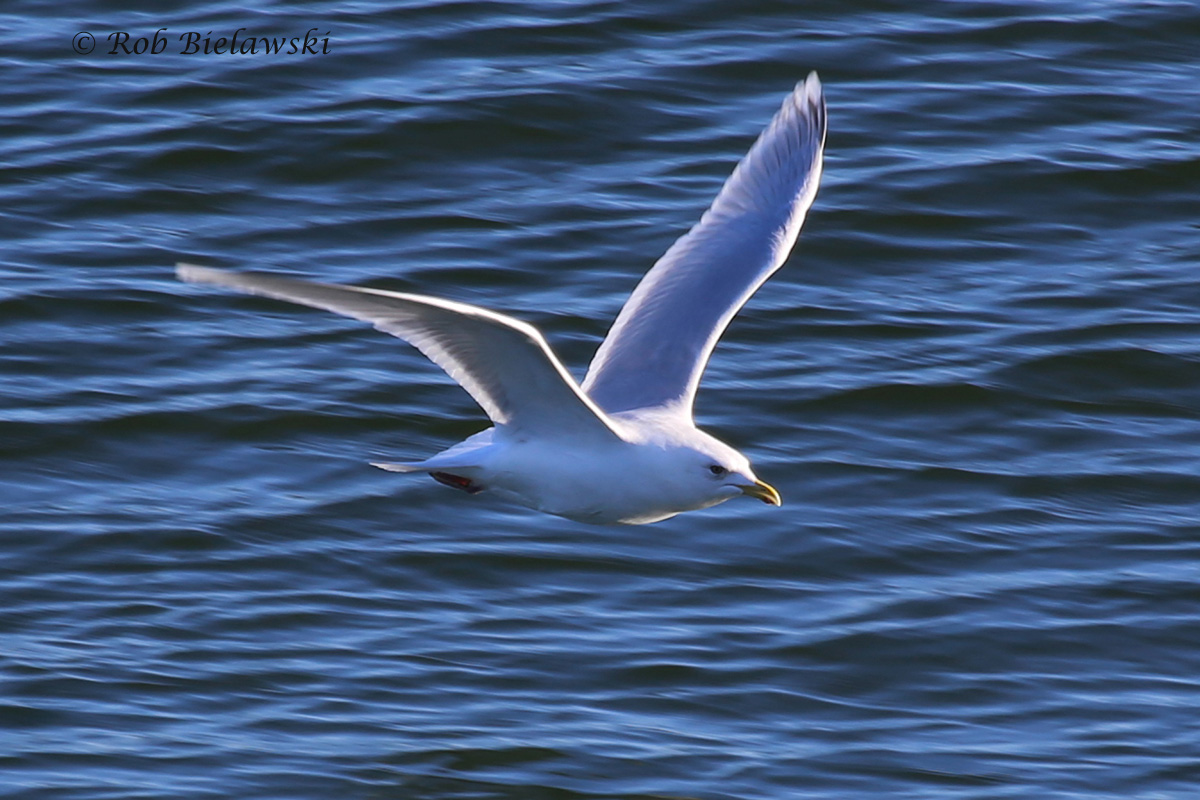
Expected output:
(503, 363)
(658, 346)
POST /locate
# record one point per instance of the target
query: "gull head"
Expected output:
(714, 472)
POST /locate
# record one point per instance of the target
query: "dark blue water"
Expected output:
(976, 385)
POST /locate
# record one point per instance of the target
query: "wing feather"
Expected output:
(503, 363)
(659, 345)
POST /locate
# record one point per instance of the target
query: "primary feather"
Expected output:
(658, 346)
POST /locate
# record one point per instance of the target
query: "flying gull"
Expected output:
(622, 447)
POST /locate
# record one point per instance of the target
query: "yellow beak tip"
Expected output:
(763, 491)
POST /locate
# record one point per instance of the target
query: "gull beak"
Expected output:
(763, 491)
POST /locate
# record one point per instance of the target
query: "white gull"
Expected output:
(622, 447)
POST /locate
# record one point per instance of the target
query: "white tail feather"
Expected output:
(398, 467)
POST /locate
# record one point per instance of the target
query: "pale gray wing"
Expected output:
(658, 346)
(503, 363)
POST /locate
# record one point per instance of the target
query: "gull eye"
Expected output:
(718, 470)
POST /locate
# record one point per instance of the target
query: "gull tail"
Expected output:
(460, 478)
(459, 467)
(469, 455)
(398, 467)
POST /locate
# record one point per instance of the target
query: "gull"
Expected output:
(622, 446)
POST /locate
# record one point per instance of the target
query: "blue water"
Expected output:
(976, 385)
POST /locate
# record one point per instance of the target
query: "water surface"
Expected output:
(976, 385)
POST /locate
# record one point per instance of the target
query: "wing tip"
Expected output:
(807, 102)
(809, 97)
(194, 273)
(810, 87)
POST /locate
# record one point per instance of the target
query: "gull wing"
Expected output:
(658, 346)
(503, 363)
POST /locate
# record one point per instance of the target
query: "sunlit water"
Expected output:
(976, 385)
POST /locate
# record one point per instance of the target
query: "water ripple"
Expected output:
(975, 385)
